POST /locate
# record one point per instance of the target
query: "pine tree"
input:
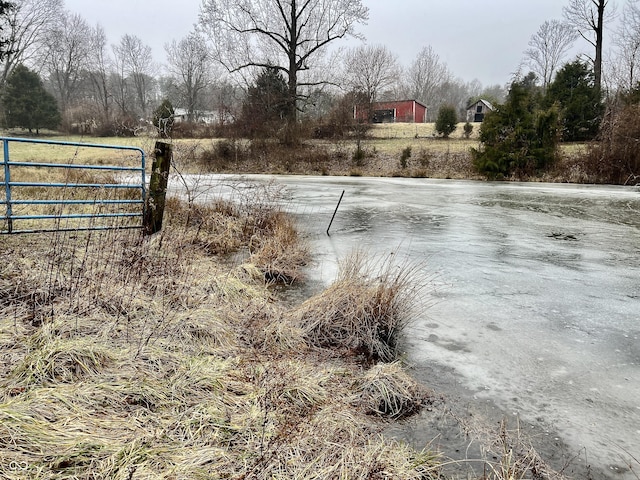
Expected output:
(27, 104)
(265, 108)
(518, 137)
(447, 121)
(580, 101)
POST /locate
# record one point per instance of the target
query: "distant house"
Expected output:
(409, 111)
(476, 111)
(201, 116)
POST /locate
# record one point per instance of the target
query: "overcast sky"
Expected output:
(476, 39)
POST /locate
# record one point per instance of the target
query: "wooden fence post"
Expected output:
(157, 193)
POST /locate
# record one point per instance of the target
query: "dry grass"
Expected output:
(431, 156)
(130, 357)
(82, 155)
(391, 138)
(388, 391)
(509, 454)
(417, 130)
(364, 311)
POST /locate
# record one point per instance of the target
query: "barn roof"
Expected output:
(403, 101)
(486, 102)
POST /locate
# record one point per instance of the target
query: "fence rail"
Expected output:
(96, 195)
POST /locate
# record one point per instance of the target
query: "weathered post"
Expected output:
(157, 192)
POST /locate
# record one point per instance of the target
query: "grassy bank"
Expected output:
(131, 357)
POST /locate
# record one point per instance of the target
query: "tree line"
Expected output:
(266, 65)
(212, 68)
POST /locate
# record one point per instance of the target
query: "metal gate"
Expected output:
(90, 197)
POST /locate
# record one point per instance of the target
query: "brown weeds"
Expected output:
(387, 390)
(364, 310)
(130, 357)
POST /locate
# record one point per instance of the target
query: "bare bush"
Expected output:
(616, 157)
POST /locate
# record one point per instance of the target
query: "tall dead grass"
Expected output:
(365, 310)
(123, 357)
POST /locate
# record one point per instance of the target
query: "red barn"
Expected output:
(410, 111)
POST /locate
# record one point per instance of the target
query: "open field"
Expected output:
(406, 150)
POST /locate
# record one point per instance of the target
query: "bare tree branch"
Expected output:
(29, 23)
(588, 17)
(371, 69)
(190, 63)
(291, 35)
(548, 48)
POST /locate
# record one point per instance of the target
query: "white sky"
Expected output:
(483, 39)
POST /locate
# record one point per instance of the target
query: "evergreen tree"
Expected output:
(580, 101)
(518, 137)
(447, 120)
(265, 108)
(27, 104)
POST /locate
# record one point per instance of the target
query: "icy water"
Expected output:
(534, 296)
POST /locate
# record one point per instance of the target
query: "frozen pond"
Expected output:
(535, 298)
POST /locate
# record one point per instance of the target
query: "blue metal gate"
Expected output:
(97, 204)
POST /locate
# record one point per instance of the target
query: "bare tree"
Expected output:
(426, 74)
(588, 17)
(548, 47)
(29, 22)
(288, 34)
(67, 57)
(190, 64)
(100, 67)
(627, 39)
(371, 69)
(453, 92)
(5, 8)
(136, 67)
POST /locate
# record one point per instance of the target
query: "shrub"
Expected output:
(404, 157)
(119, 127)
(517, 137)
(616, 157)
(358, 156)
(468, 129)
(223, 152)
(194, 130)
(447, 121)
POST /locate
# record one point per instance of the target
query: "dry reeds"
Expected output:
(387, 390)
(364, 310)
(279, 252)
(129, 357)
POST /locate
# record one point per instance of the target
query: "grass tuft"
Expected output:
(364, 311)
(388, 391)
